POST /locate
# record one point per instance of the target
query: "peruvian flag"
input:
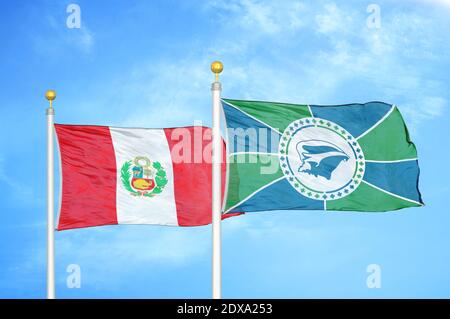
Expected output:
(116, 175)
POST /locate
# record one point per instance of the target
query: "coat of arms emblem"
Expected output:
(142, 177)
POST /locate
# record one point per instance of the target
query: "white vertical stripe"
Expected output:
(151, 143)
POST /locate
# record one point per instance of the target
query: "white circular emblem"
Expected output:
(321, 159)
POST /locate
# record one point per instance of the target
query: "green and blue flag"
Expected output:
(353, 157)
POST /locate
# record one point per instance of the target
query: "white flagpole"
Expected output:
(216, 88)
(50, 95)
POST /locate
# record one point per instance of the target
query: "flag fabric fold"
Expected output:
(116, 175)
(354, 157)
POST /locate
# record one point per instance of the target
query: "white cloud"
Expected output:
(424, 108)
(137, 247)
(332, 49)
(332, 20)
(84, 39)
(262, 17)
(344, 52)
(60, 38)
(142, 244)
(171, 93)
(16, 187)
(434, 105)
(443, 3)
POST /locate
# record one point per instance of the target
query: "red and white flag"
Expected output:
(135, 176)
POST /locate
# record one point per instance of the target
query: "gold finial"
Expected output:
(50, 95)
(216, 68)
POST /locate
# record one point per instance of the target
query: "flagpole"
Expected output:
(216, 88)
(50, 95)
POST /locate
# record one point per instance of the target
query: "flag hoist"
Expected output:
(216, 88)
(50, 95)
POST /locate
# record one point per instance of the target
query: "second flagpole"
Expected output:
(50, 95)
(216, 89)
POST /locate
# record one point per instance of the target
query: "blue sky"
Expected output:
(146, 63)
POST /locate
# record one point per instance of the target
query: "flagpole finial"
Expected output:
(217, 68)
(50, 95)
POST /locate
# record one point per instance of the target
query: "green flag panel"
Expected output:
(248, 173)
(276, 115)
(369, 199)
(389, 141)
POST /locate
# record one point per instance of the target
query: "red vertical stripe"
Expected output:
(193, 180)
(88, 176)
